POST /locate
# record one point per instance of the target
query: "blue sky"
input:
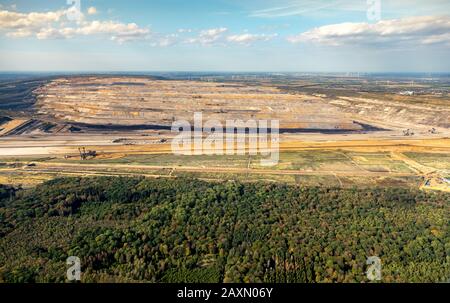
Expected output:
(226, 35)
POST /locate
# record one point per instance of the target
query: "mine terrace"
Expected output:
(333, 128)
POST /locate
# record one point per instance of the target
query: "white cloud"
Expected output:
(19, 21)
(184, 30)
(119, 32)
(50, 33)
(165, 41)
(20, 33)
(218, 36)
(249, 38)
(433, 39)
(208, 36)
(92, 11)
(57, 25)
(411, 30)
(211, 35)
(53, 25)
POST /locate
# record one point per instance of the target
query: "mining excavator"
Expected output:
(85, 155)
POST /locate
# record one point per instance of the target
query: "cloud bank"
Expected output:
(410, 31)
(56, 25)
(249, 38)
(424, 30)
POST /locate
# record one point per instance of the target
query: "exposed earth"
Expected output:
(118, 117)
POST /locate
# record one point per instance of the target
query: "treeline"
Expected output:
(184, 230)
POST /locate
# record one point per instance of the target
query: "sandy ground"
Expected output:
(59, 147)
(65, 145)
(10, 125)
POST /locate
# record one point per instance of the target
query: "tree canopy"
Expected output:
(186, 230)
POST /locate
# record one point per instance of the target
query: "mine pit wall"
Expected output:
(150, 103)
(20, 95)
(430, 116)
(134, 103)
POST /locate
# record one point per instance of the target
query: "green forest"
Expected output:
(186, 230)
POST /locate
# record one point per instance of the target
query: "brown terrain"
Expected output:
(122, 117)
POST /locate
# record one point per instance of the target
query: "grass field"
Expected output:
(333, 168)
(439, 161)
(326, 160)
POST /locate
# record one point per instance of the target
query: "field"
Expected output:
(328, 167)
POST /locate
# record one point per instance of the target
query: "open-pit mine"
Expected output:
(333, 130)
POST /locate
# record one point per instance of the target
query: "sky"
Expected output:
(225, 35)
